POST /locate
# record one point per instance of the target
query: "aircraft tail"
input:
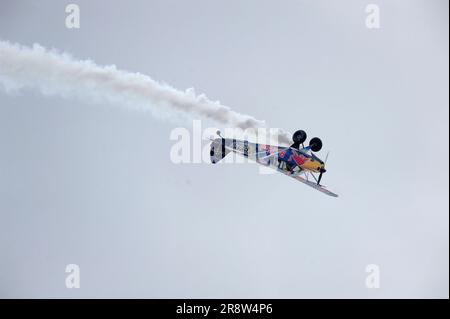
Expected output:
(218, 150)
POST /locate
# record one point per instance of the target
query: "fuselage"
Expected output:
(286, 158)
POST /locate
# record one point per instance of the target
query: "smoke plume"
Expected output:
(58, 74)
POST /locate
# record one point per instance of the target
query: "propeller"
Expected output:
(320, 176)
(326, 157)
(323, 170)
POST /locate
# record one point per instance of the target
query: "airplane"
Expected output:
(296, 161)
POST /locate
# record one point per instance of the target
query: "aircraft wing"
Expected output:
(320, 188)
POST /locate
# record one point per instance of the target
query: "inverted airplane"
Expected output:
(296, 161)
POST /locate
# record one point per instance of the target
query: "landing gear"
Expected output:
(315, 144)
(299, 138)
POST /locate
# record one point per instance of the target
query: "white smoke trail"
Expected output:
(58, 74)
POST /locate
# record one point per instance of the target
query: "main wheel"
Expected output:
(315, 144)
(299, 137)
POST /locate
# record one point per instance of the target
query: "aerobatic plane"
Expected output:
(296, 161)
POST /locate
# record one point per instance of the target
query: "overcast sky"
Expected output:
(94, 185)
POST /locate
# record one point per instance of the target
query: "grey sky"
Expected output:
(94, 185)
